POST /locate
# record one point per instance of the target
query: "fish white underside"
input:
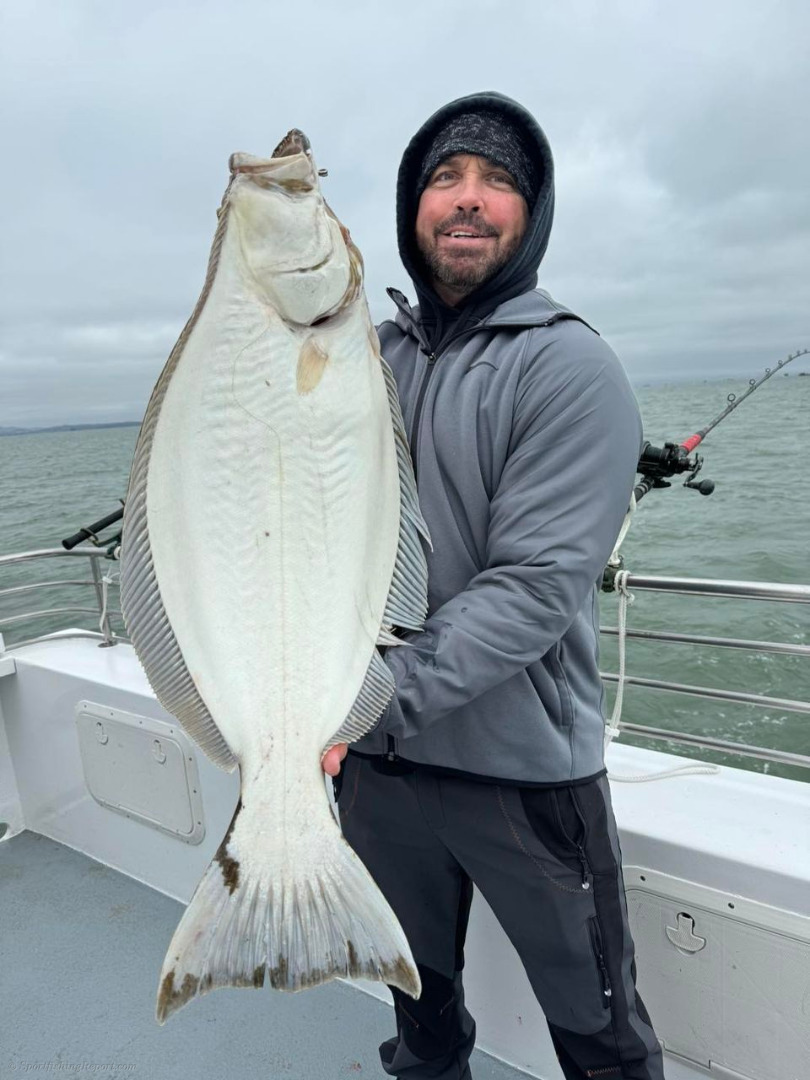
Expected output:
(270, 543)
(281, 511)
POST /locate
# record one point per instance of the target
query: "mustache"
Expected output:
(461, 221)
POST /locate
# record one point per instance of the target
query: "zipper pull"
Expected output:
(585, 874)
(431, 359)
(391, 755)
(606, 987)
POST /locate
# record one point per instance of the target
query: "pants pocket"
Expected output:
(346, 783)
(570, 822)
(557, 825)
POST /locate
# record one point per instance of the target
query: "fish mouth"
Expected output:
(294, 142)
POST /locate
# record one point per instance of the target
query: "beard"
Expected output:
(465, 272)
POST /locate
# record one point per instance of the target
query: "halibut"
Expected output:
(271, 543)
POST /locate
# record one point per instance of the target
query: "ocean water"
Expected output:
(756, 526)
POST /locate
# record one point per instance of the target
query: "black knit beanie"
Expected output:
(491, 135)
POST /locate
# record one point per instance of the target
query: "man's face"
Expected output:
(468, 194)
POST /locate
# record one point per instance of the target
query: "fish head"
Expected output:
(297, 253)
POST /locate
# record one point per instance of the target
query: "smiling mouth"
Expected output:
(458, 234)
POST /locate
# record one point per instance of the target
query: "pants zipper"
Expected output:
(583, 858)
(586, 872)
(596, 942)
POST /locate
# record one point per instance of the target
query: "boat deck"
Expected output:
(82, 948)
(91, 893)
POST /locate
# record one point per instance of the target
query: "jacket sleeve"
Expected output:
(554, 518)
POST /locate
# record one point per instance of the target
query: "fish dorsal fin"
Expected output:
(406, 605)
(144, 614)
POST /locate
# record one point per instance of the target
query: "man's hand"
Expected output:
(332, 758)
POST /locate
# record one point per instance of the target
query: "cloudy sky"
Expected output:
(680, 134)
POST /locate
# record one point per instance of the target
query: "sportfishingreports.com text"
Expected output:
(69, 1067)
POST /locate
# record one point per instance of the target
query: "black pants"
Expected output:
(548, 863)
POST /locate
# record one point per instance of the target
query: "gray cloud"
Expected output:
(680, 136)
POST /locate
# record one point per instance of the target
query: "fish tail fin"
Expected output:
(299, 930)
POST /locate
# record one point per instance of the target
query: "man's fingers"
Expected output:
(333, 757)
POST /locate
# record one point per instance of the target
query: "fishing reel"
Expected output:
(658, 463)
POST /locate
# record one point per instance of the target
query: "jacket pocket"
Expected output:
(566, 718)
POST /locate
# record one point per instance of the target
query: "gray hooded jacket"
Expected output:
(525, 436)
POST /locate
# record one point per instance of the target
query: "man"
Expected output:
(488, 766)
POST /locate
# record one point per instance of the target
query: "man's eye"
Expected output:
(502, 178)
(444, 175)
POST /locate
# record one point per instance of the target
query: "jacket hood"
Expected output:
(519, 275)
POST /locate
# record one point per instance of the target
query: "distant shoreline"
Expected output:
(67, 427)
(637, 384)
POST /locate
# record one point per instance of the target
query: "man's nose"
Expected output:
(470, 194)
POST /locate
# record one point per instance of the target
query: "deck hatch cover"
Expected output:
(726, 979)
(143, 768)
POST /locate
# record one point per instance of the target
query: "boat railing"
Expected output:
(717, 589)
(99, 584)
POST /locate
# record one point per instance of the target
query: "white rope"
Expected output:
(108, 579)
(616, 559)
(613, 727)
(679, 770)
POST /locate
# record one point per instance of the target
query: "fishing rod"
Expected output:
(658, 463)
(90, 532)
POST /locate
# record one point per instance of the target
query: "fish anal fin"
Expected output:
(375, 693)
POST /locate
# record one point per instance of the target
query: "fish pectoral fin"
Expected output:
(312, 361)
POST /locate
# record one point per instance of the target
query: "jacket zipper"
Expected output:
(432, 357)
(417, 412)
(391, 753)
